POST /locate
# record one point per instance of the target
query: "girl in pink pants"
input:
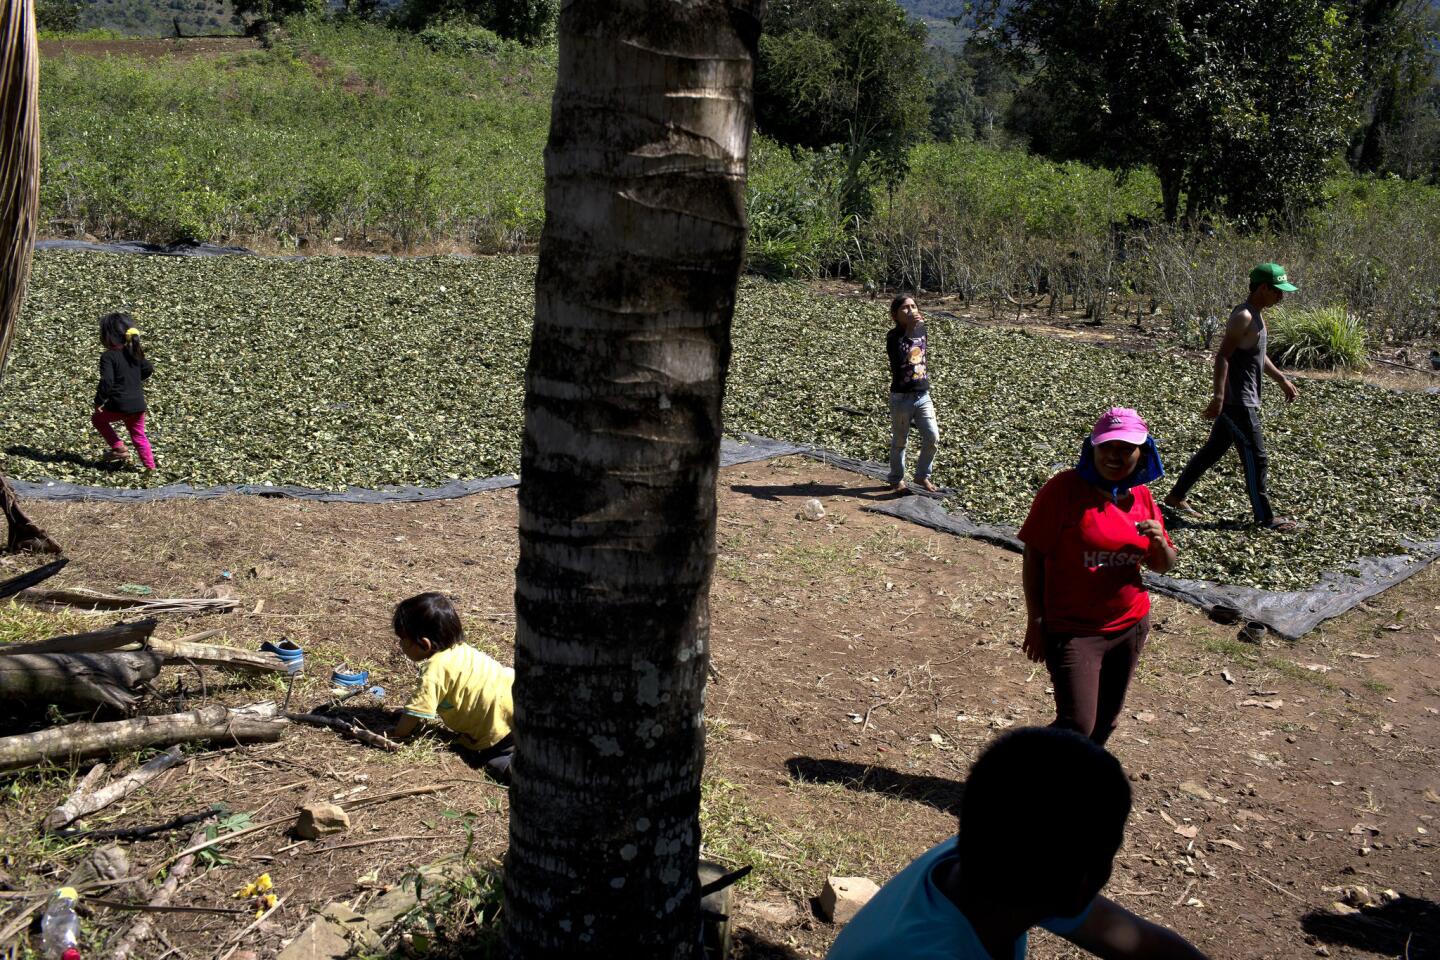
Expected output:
(121, 394)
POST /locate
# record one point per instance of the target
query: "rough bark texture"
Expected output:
(96, 641)
(109, 680)
(641, 252)
(84, 802)
(209, 655)
(19, 208)
(84, 741)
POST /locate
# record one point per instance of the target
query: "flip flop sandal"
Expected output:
(1180, 514)
(1283, 526)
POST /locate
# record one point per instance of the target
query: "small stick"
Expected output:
(366, 843)
(367, 801)
(140, 833)
(348, 729)
(235, 940)
(1275, 886)
(198, 847)
(154, 908)
(123, 946)
(1186, 895)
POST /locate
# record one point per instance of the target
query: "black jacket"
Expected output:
(120, 377)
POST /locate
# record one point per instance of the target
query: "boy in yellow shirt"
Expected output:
(463, 688)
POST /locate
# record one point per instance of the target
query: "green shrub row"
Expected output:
(392, 140)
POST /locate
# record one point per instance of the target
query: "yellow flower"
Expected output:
(267, 902)
(262, 884)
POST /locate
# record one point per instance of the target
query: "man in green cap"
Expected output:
(1235, 405)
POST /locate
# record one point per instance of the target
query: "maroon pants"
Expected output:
(1091, 674)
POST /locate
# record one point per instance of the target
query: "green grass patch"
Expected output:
(1325, 338)
(22, 624)
(335, 371)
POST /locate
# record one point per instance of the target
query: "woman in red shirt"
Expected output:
(1089, 531)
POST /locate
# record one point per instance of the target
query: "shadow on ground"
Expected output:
(62, 456)
(779, 493)
(938, 792)
(1408, 927)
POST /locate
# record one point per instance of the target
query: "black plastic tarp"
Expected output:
(731, 452)
(1289, 613)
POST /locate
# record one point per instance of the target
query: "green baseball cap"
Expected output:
(1273, 275)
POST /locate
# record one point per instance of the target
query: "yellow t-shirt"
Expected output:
(469, 692)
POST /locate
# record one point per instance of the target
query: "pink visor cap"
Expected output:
(1120, 423)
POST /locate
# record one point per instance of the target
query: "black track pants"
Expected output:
(1239, 427)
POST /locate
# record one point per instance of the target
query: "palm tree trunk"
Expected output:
(639, 260)
(19, 209)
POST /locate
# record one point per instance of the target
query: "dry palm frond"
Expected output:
(19, 159)
(81, 600)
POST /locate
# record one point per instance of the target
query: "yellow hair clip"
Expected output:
(132, 332)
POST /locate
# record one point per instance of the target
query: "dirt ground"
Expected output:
(861, 663)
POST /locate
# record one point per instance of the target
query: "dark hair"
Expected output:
(429, 615)
(898, 302)
(1042, 818)
(112, 334)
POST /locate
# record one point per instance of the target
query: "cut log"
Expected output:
(226, 658)
(82, 804)
(84, 741)
(26, 580)
(81, 679)
(96, 641)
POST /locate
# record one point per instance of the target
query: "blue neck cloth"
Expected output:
(1148, 471)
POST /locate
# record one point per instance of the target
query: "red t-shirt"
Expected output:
(1092, 554)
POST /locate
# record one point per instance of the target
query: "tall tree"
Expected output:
(19, 210)
(1401, 68)
(849, 72)
(639, 260)
(1240, 106)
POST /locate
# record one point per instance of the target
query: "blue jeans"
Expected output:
(907, 409)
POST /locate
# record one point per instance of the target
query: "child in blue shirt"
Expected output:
(1041, 820)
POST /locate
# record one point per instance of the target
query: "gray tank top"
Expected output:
(1242, 382)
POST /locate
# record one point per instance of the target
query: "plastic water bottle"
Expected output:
(60, 927)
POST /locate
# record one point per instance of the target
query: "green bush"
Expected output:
(1323, 338)
(462, 38)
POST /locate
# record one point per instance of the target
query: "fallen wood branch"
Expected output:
(346, 728)
(96, 641)
(226, 658)
(26, 580)
(152, 908)
(141, 833)
(136, 933)
(83, 804)
(82, 679)
(95, 601)
(81, 795)
(83, 741)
